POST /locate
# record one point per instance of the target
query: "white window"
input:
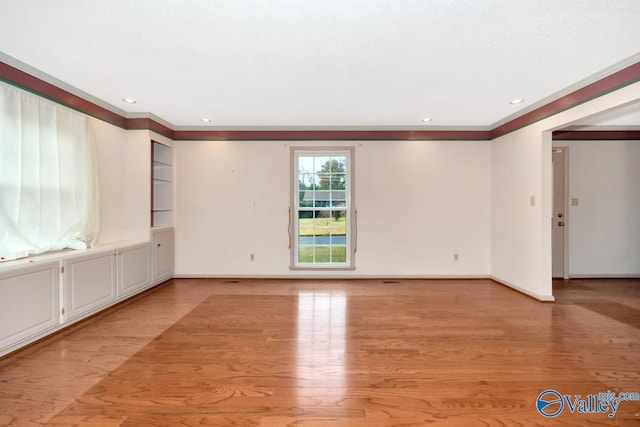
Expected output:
(48, 176)
(323, 220)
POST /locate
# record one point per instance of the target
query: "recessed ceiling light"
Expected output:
(204, 119)
(427, 119)
(517, 101)
(129, 100)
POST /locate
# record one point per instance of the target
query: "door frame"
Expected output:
(566, 207)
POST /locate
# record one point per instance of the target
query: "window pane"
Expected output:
(321, 163)
(339, 195)
(338, 222)
(306, 164)
(323, 254)
(322, 194)
(305, 231)
(338, 181)
(339, 253)
(305, 253)
(306, 181)
(325, 167)
(322, 235)
(338, 239)
(305, 199)
(305, 215)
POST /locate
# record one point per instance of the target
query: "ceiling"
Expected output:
(324, 64)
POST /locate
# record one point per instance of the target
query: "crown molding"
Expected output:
(21, 75)
(318, 135)
(612, 82)
(596, 135)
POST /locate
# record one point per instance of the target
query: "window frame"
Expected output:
(351, 212)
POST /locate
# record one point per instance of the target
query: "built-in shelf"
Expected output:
(162, 186)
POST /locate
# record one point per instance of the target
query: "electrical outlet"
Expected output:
(456, 257)
(252, 257)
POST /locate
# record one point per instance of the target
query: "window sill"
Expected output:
(322, 268)
(63, 254)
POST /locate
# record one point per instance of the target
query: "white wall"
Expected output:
(419, 202)
(516, 237)
(124, 167)
(521, 167)
(110, 146)
(137, 190)
(604, 229)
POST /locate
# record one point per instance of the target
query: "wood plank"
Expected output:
(199, 352)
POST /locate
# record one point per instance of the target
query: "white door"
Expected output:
(558, 221)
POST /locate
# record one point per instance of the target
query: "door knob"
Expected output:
(559, 215)
(561, 223)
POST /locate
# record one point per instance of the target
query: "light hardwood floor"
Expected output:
(332, 353)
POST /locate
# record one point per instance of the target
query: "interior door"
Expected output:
(558, 221)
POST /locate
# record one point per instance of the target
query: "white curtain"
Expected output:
(49, 196)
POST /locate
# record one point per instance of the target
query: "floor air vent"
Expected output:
(391, 282)
(230, 281)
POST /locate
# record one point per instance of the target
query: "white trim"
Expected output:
(151, 116)
(19, 65)
(565, 209)
(322, 267)
(69, 253)
(605, 276)
(314, 275)
(619, 66)
(349, 153)
(523, 290)
(334, 128)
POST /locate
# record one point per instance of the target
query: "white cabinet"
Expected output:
(134, 268)
(43, 295)
(163, 263)
(162, 185)
(89, 282)
(96, 280)
(29, 302)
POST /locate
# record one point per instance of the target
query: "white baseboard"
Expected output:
(545, 298)
(329, 276)
(605, 276)
(366, 277)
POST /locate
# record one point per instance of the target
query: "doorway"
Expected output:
(559, 241)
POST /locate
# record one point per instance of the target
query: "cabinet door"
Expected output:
(162, 254)
(29, 302)
(134, 268)
(89, 283)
